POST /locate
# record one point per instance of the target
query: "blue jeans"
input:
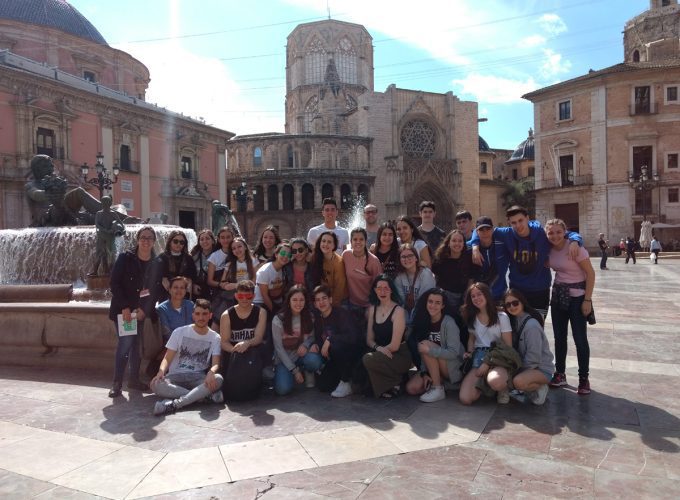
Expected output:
(127, 350)
(579, 330)
(603, 260)
(284, 381)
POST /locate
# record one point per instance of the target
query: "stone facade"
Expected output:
(393, 148)
(597, 130)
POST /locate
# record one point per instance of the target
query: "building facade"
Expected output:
(343, 139)
(595, 133)
(66, 93)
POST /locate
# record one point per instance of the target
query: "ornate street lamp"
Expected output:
(103, 180)
(243, 196)
(643, 184)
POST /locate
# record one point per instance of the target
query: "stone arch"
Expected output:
(431, 190)
(307, 196)
(327, 191)
(288, 196)
(345, 196)
(258, 199)
(272, 197)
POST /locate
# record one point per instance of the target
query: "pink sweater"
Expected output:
(360, 276)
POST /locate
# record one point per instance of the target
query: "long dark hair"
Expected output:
(259, 248)
(394, 294)
(525, 304)
(415, 233)
(197, 247)
(362, 231)
(317, 256)
(232, 262)
(469, 311)
(174, 233)
(421, 316)
(443, 251)
(286, 314)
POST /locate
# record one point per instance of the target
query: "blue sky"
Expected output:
(225, 60)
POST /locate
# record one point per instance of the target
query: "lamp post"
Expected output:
(243, 196)
(103, 180)
(643, 184)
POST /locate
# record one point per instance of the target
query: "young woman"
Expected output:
(299, 270)
(361, 269)
(242, 329)
(266, 245)
(571, 302)
(389, 359)
(175, 261)
(486, 325)
(293, 336)
(206, 245)
(240, 266)
(413, 280)
(408, 233)
(387, 249)
(219, 258)
(453, 269)
(532, 345)
(133, 285)
(328, 268)
(437, 338)
(270, 283)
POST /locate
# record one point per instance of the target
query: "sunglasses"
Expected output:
(298, 250)
(511, 303)
(244, 296)
(179, 242)
(283, 253)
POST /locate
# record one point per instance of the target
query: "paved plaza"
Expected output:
(62, 437)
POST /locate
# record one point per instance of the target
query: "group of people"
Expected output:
(355, 311)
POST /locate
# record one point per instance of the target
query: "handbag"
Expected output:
(243, 375)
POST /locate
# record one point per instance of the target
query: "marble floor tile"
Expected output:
(265, 457)
(346, 445)
(183, 470)
(47, 455)
(114, 475)
(17, 486)
(608, 484)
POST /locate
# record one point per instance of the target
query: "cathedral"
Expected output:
(345, 140)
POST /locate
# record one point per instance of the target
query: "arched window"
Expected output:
(327, 191)
(418, 139)
(186, 171)
(363, 192)
(346, 199)
(291, 157)
(636, 55)
(258, 199)
(125, 162)
(257, 157)
(307, 197)
(482, 168)
(346, 61)
(273, 197)
(311, 110)
(288, 197)
(315, 62)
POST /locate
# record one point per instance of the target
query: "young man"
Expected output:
(464, 223)
(329, 212)
(371, 218)
(604, 245)
(495, 265)
(189, 370)
(337, 338)
(527, 248)
(432, 234)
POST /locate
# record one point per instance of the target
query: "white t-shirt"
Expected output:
(242, 270)
(340, 232)
(194, 351)
(417, 244)
(219, 259)
(268, 275)
(484, 335)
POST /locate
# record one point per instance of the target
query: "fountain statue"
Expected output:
(223, 216)
(108, 225)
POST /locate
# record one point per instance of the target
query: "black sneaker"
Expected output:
(164, 407)
(115, 390)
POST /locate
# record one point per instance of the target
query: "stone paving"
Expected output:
(62, 437)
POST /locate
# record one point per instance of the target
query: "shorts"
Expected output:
(478, 356)
(548, 375)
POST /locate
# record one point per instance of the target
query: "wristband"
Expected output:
(587, 300)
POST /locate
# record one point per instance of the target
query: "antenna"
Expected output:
(328, 8)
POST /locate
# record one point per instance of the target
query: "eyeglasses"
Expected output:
(407, 256)
(511, 303)
(298, 250)
(370, 211)
(147, 238)
(180, 242)
(283, 253)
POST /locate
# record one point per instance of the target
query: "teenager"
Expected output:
(219, 258)
(327, 266)
(408, 233)
(329, 211)
(175, 261)
(432, 234)
(270, 280)
(201, 252)
(299, 270)
(494, 267)
(413, 280)
(361, 268)
(464, 223)
(386, 249)
(453, 269)
(266, 245)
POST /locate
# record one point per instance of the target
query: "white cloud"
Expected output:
(489, 89)
(552, 24)
(531, 41)
(554, 64)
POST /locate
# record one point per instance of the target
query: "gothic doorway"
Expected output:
(445, 207)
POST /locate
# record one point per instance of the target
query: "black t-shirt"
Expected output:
(453, 274)
(436, 332)
(433, 238)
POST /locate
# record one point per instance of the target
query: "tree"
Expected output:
(520, 192)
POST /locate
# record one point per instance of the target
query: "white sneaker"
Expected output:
(434, 394)
(310, 380)
(343, 389)
(217, 397)
(503, 397)
(538, 397)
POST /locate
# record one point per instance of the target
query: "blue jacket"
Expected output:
(527, 257)
(171, 319)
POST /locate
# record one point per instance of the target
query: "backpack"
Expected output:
(243, 376)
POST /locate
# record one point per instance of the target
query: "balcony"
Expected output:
(581, 180)
(643, 108)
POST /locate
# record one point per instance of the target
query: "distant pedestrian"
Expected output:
(655, 248)
(630, 249)
(604, 245)
(622, 247)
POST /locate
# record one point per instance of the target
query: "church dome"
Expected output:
(483, 145)
(525, 149)
(57, 14)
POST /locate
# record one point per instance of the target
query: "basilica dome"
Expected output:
(525, 149)
(483, 145)
(57, 14)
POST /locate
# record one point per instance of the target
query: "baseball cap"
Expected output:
(484, 222)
